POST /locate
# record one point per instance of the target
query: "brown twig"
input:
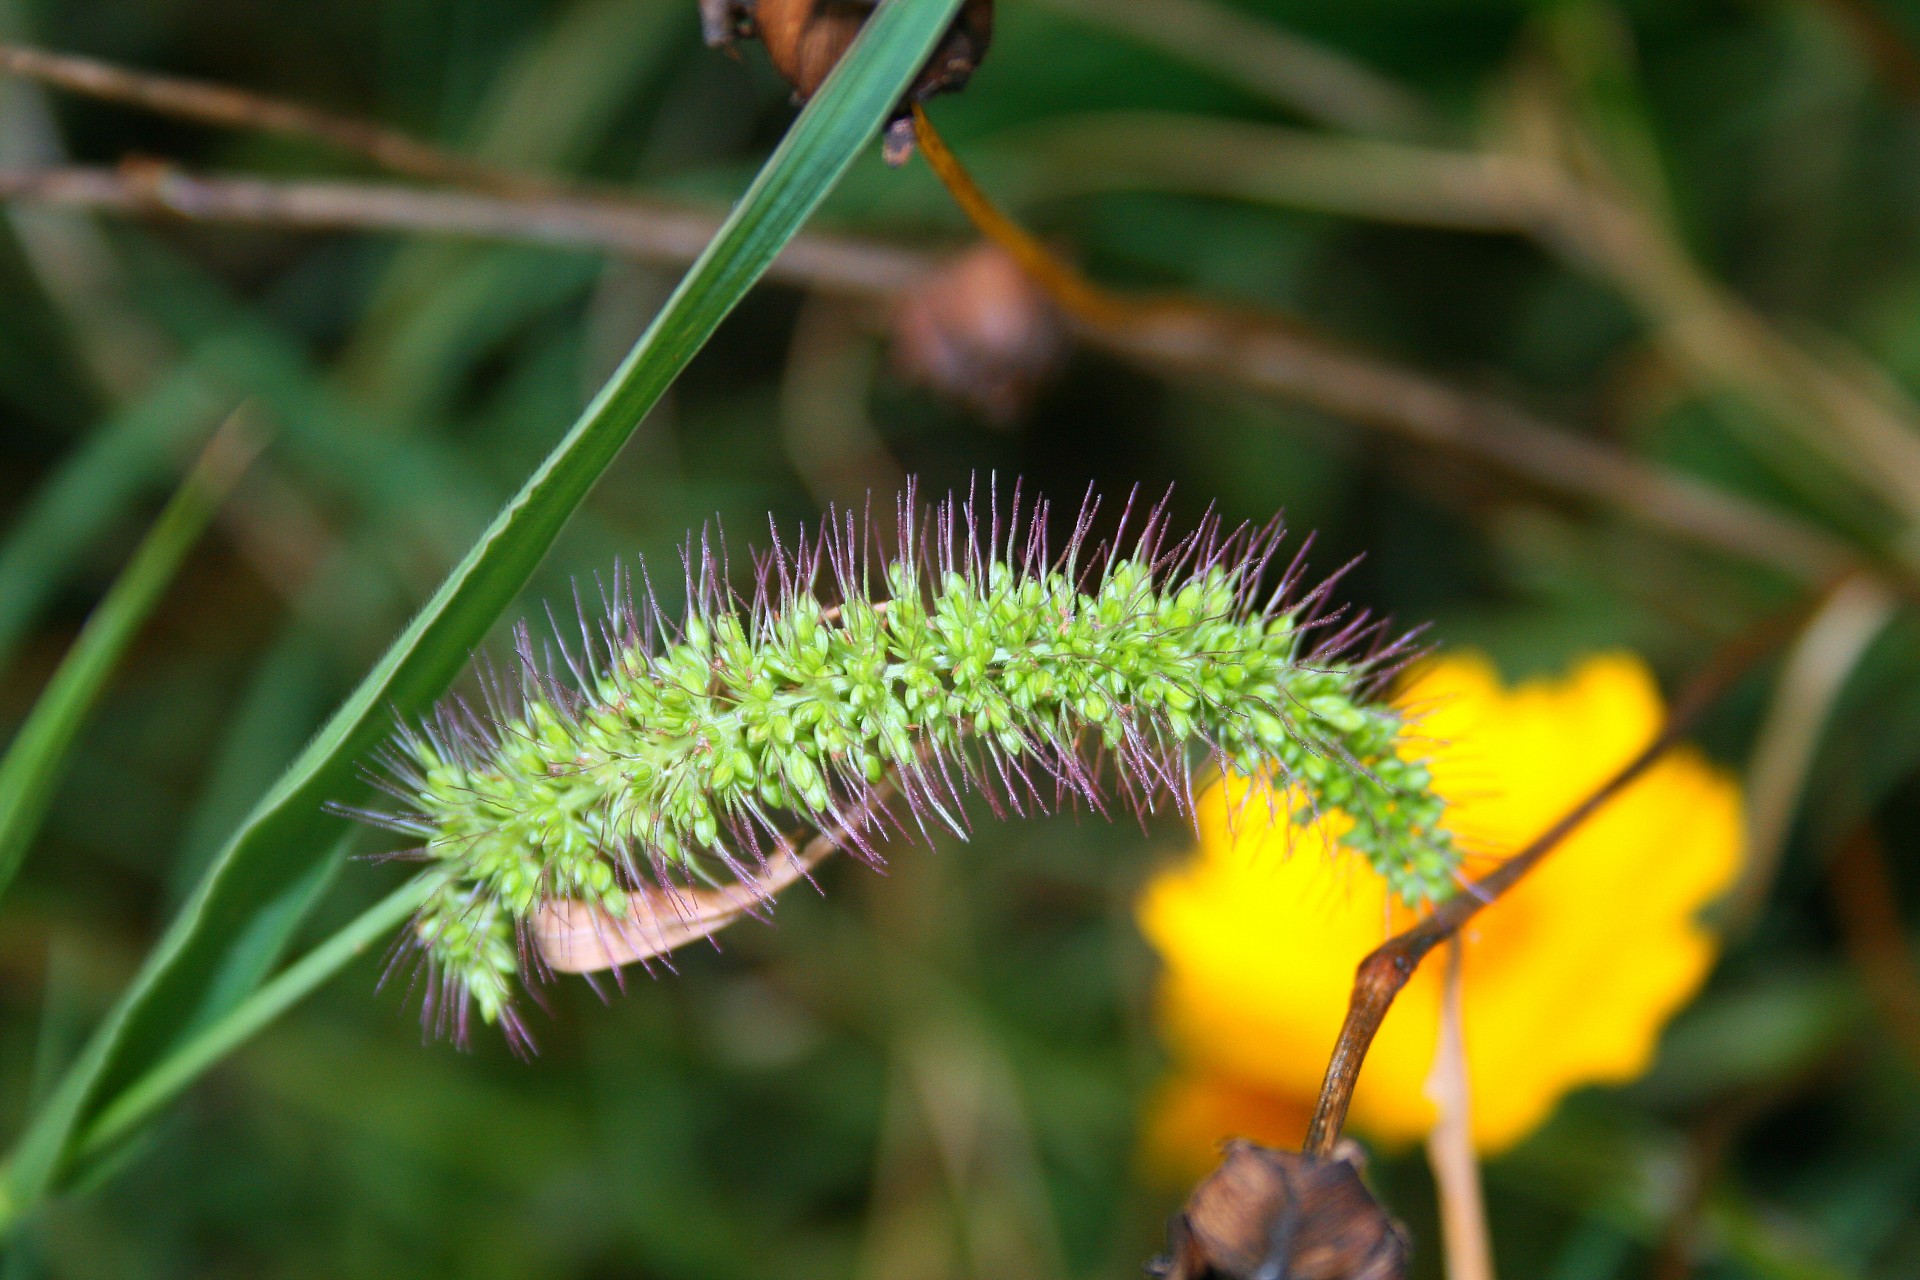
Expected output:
(1191, 339)
(652, 231)
(1391, 965)
(1269, 354)
(1284, 362)
(1851, 416)
(1181, 337)
(1546, 184)
(1364, 389)
(1187, 336)
(230, 108)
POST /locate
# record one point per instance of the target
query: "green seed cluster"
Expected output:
(683, 762)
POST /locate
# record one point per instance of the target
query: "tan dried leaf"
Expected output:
(574, 937)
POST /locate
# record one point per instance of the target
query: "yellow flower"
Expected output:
(1568, 979)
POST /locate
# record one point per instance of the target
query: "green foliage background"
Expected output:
(939, 1072)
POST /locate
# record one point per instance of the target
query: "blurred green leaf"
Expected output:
(1764, 1034)
(34, 761)
(194, 977)
(93, 487)
(396, 469)
(145, 1096)
(436, 301)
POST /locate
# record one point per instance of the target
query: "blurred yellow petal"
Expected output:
(1568, 979)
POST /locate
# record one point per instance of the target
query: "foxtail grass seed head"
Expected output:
(969, 658)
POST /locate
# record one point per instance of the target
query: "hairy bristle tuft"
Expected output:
(866, 694)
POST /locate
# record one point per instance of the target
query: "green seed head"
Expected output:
(970, 660)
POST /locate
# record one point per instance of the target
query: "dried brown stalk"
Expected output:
(1456, 1167)
(1813, 675)
(1387, 969)
(1191, 340)
(1190, 337)
(1268, 353)
(646, 230)
(1364, 389)
(230, 108)
(1547, 184)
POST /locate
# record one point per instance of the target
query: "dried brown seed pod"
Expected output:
(1266, 1214)
(980, 331)
(805, 38)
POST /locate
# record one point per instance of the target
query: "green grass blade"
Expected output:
(34, 761)
(118, 461)
(138, 1102)
(188, 982)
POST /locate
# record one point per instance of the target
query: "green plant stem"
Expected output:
(296, 982)
(31, 769)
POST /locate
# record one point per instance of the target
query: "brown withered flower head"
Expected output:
(805, 38)
(1267, 1214)
(979, 331)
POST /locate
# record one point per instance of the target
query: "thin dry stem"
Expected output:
(1810, 683)
(1269, 354)
(1713, 331)
(1193, 340)
(1544, 183)
(1189, 337)
(647, 230)
(1387, 969)
(1456, 1167)
(226, 107)
(1588, 214)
